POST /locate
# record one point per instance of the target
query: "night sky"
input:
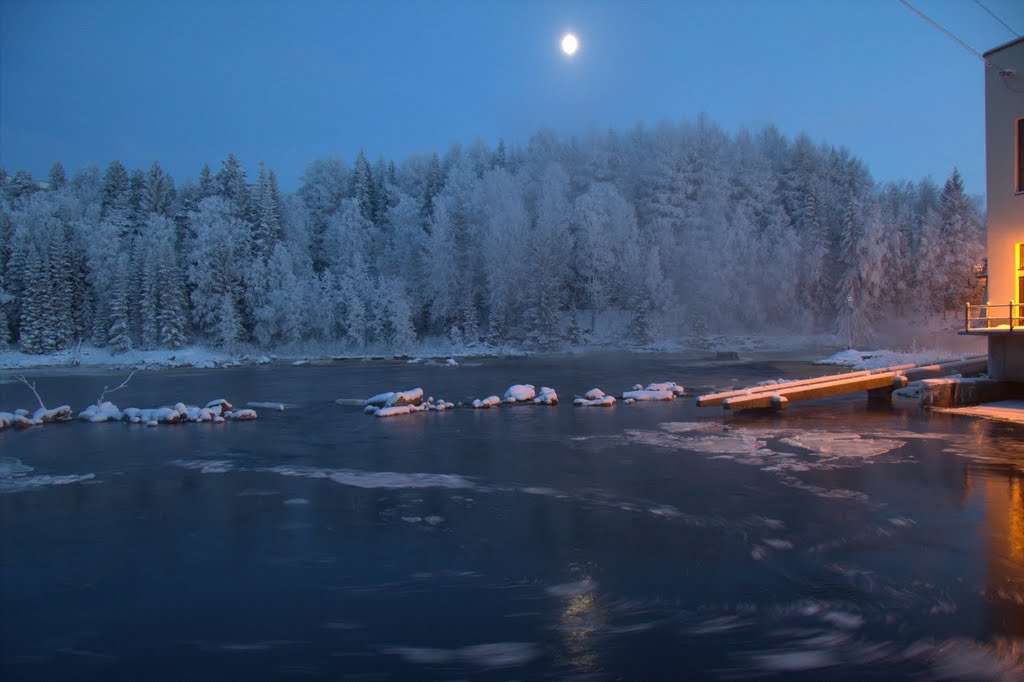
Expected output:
(187, 82)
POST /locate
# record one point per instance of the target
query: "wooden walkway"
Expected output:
(779, 396)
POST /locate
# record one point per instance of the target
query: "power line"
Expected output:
(936, 25)
(993, 15)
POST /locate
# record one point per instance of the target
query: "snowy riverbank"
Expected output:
(724, 347)
(743, 346)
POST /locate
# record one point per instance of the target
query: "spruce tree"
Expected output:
(56, 179)
(231, 185)
(363, 189)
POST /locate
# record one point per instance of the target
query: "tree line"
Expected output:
(681, 229)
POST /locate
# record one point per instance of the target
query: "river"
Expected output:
(651, 541)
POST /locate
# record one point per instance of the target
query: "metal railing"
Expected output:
(994, 317)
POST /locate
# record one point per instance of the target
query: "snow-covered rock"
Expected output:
(158, 415)
(219, 406)
(395, 410)
(646, 395)
(595, 397)
(104, 412)
(413, 396)
(519, 393)
(14, 420)
(241, 415)
(404, 402)
(665, 390)
(489, 401)
(547, 396)
(666, 386)
(379, 400)
(49, 416)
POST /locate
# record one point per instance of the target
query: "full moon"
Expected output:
(570, 44)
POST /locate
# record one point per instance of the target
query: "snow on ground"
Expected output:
(190, 356)
(876, 359)
(1004, 410)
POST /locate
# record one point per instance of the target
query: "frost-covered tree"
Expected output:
(231, 184)
(218, 256)
(267, 228)
(157, 194)
(364, 188)
(324, 184)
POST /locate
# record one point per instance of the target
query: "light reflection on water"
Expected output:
(646, 541)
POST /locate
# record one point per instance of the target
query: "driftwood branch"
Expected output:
(107, 389)
(31, 387)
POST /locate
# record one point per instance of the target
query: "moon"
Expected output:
(570, 43)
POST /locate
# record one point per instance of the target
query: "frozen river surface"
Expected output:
(654, 541)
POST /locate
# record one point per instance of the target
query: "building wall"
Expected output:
(1004, 105)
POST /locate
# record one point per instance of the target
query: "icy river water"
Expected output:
(652, 541)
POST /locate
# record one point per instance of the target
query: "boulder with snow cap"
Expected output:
(413, 396)
(547, 396)
(646, 395)
(219, 406)
(520, 393)
(595, 397)
(50, 416)
(489, 401)
(379, 400)
(666, 386)
(104, 412)
(14, 420)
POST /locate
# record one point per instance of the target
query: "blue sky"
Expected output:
(186, 82)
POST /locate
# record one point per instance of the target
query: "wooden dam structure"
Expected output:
(877, 382)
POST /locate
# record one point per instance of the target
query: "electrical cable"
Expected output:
(988, 62)
(936, 25)
(993, 15)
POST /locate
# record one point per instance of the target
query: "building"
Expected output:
(1001, 319)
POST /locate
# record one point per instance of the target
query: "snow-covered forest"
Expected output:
(683, 229)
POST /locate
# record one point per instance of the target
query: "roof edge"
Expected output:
(1004, 46)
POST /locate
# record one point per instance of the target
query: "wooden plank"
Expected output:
(974, 365)
(813, 391)
(911, 372)
(712, 399)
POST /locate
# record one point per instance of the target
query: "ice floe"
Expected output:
(373, 479)
(15, 476)
(486, 656)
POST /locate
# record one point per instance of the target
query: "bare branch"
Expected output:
(31, 387)
(106, 389)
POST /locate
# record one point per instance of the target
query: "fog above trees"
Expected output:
(654, 234)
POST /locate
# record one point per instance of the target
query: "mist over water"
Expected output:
(649, 541)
